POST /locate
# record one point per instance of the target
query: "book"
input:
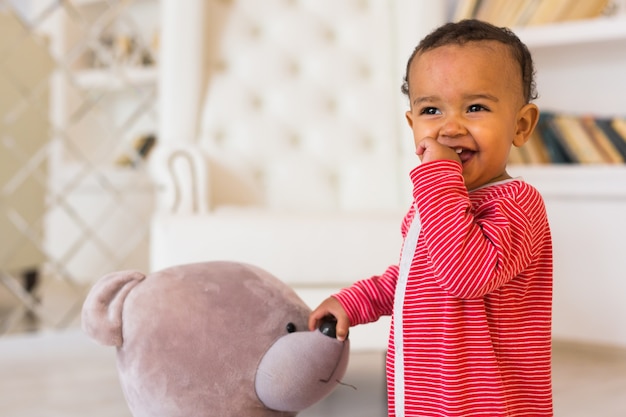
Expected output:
(551, 140)
(498, 12)
(510, 14)
(587, 9)
(492, 11)
(536, 149)
(576, 140)
(466, 9)
(606, 124)
(606, 147)
(619, 125)
(549, 11)
(517, 156)
(526, 13)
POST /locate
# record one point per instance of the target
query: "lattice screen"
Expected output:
(77, 122)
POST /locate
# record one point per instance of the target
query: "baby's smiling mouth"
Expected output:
(464, 154)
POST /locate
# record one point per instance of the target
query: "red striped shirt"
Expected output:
(478, 302)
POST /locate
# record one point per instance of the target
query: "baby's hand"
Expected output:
(331, 307)
(428, 149)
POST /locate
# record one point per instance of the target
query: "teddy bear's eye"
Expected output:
(290, 327)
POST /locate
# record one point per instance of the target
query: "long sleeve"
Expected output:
(471, 253)
(369, 299)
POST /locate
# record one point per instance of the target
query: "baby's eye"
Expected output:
(430, 110)
(475, 107)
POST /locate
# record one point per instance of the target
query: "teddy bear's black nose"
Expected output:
(329, 327)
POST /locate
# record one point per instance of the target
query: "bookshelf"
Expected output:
(579, 32)
(579, 69)
(122, 78)
(580, 60)
(534, 13)
(581, 66)
(573, 181)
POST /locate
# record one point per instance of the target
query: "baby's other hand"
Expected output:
(331, 307)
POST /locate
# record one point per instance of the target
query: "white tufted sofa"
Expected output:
(283, 141)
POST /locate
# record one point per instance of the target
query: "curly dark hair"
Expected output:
(472, 30)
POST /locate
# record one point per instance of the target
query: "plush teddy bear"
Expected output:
(220, 339)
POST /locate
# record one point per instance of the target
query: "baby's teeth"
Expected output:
(458, 150)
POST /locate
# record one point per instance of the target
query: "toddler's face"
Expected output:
(469, 98)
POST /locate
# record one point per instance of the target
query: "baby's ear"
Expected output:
(527, 119)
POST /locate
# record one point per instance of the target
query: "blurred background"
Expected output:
(139, 134)
(78, 117)
(252, 92)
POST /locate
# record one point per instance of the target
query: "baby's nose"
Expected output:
(452, 127)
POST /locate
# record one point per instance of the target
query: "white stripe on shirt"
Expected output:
(406, 259)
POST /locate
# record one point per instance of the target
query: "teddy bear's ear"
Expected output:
(102, 309)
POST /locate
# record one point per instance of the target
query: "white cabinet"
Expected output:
(103, 99)
(580, 74)
(105, 89)
(580, 69)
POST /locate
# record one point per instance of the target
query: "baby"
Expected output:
(471, 296)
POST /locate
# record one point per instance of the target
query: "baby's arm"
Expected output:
(363, 302)
(472, 251)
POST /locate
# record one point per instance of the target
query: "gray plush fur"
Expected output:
(210, 339)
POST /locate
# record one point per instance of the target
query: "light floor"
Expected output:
(68, 375)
